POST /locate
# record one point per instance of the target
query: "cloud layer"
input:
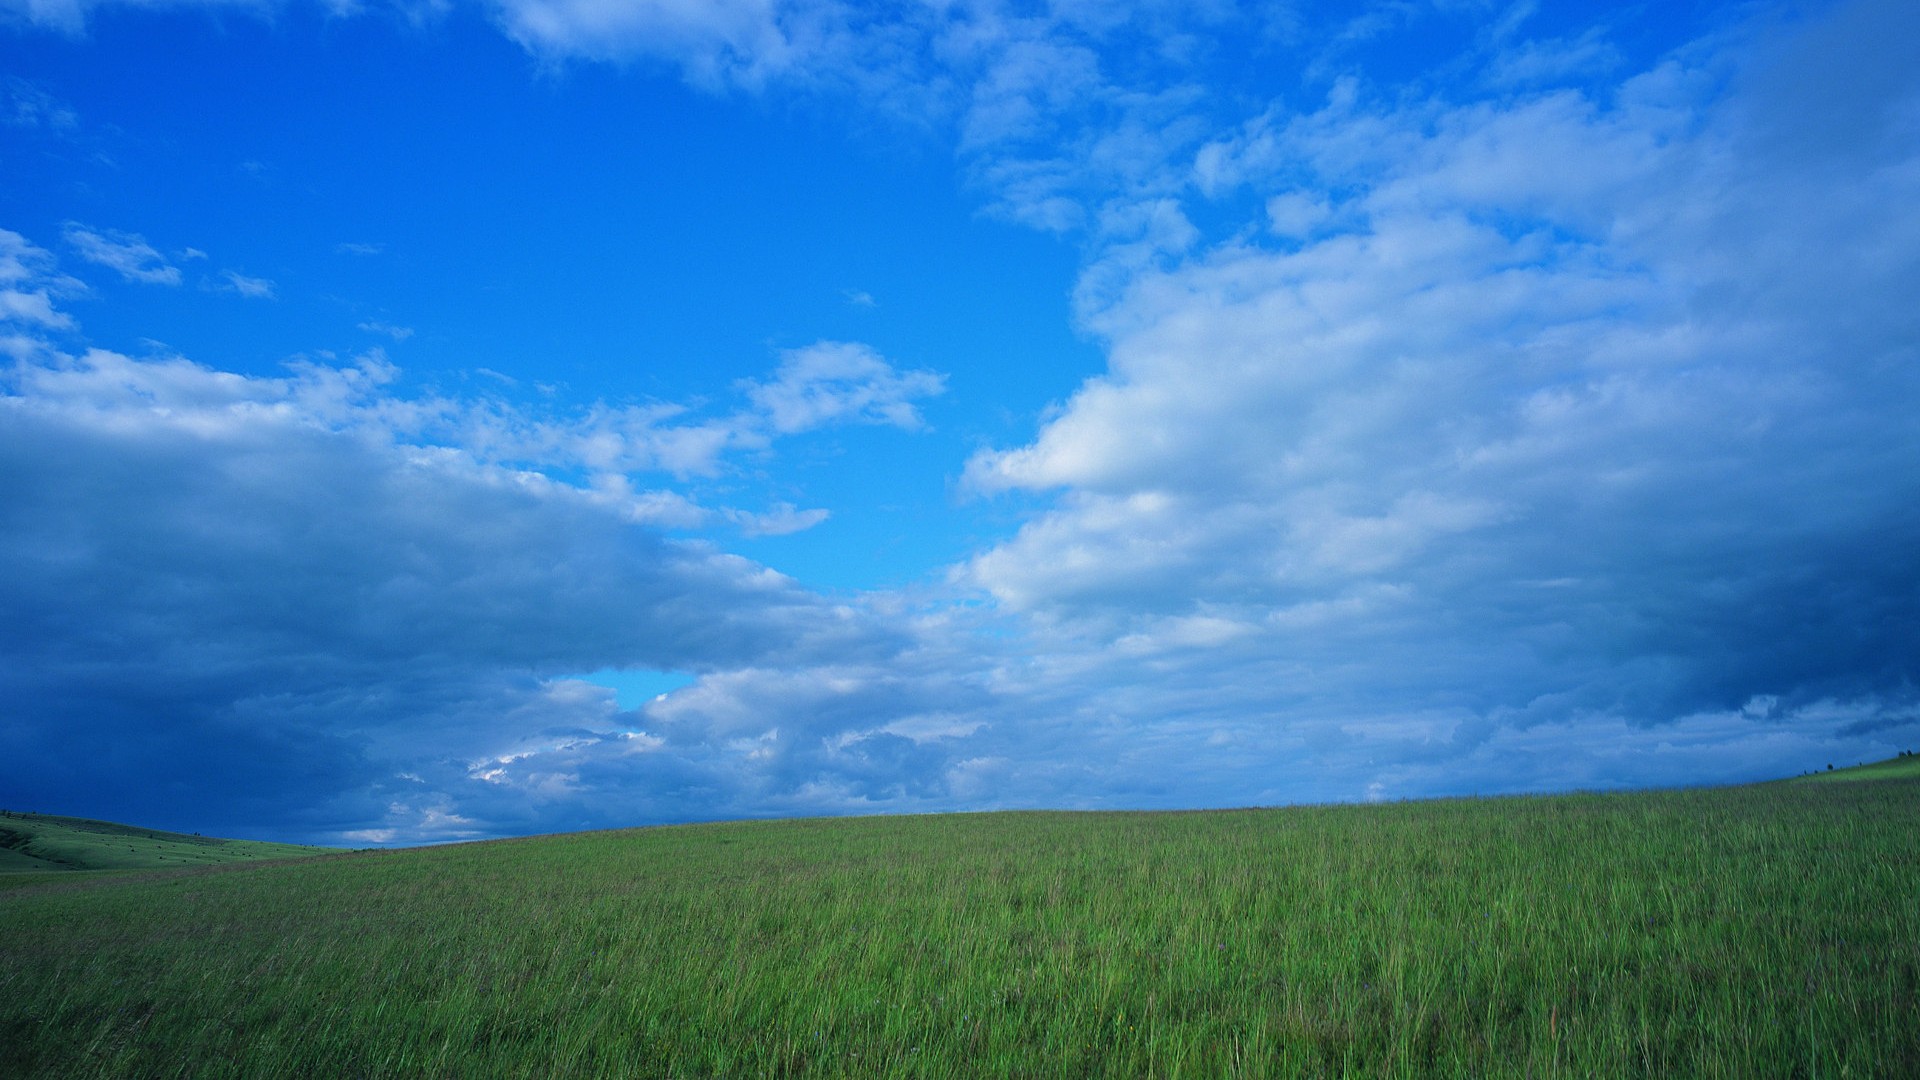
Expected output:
(207, 572)
(1587, 409)
(279, 595)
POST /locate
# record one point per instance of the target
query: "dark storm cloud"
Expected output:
(210, 592)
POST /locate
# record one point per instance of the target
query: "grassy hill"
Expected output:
(1904, 767)
(45, 842)
(1768, 930)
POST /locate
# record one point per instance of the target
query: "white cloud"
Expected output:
(817, 386)
(1053, 107)
(402, 333)
(603, 447)
(1535, 62)
(716, 41)
(1295, 214)
(1563, 385)
(29, 282)
(64, 16)
(35, 308)
(70, 17)
(127, 254)
(25, 105)
(252, 288)
(782, 519)
(840, 382)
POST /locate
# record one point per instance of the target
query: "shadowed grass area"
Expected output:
(46, 842)
(1759, 931)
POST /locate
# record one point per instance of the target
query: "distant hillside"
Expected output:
(1904, 767)
(45, 842)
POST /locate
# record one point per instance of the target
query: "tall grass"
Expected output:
(1763, 931)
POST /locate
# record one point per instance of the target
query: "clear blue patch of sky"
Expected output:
(634, 688)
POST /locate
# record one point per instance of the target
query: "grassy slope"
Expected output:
(45, 842)
(1760, 931)
(1900, 768)
(12, 862)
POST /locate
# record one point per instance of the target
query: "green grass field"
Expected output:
(37, 843)
(1904, 767)
(1769, 930)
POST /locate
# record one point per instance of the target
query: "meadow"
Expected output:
(1767, 930)
(50, 844)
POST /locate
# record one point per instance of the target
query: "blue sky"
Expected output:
(443, 420)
